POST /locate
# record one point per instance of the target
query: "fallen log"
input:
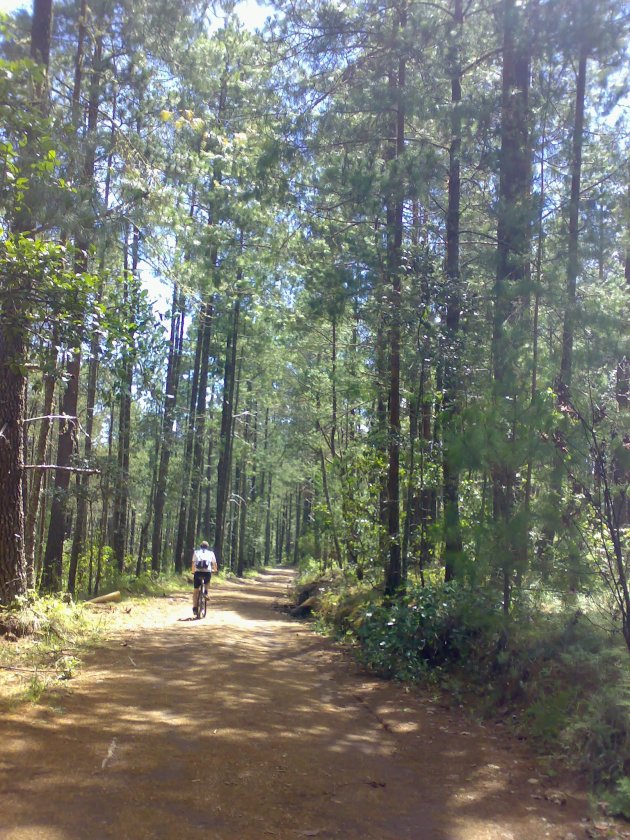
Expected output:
(306, 608)
(105, 599)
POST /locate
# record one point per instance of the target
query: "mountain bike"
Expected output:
(202, 603)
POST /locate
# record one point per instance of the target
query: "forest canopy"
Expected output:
(350, 289)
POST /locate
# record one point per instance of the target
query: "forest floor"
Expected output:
(247, 725)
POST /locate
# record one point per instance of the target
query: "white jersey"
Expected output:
(204, 560)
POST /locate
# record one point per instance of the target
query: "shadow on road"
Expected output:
(246, 726)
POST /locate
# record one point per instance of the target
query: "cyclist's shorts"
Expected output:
(199, 576)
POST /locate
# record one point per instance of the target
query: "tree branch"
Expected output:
(82, 470)
(51, 417)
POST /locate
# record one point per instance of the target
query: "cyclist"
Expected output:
(204, 563)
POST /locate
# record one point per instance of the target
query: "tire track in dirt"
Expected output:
(248, 726)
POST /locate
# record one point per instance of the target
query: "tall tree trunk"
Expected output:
(121, 494)
(451, 399)
(333, 384)
(206, 316)
(268, 527)
(255, 484)
(206, 525)
(333, 526)
(568, 330)
(540, 246)
(106, 497)
(95, 349)
(168, 418)
(394, 576)
(68, 442)
(188, 452)
(14, 308)
(279, 535)
(43, 439)
(563, 381)
(242, 518)
(513, 233)
(227, 420)
(267, 488)
(621, 474)
(410, 521)
(290, 534)
(298, 527)
(41, 28)
(381, 441)
(426, 513)
(53, 556)
(248, 485)
(146, 524)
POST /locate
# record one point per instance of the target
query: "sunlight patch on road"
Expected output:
(482, 830)
(240, 735)
(364, 743)
(36, 832)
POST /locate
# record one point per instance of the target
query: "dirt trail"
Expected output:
(248, 726)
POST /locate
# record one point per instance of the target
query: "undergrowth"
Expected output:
(43, 637)
(562, 681)
(148, 583)
(41, 641)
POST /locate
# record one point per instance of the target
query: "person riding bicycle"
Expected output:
(204, 563)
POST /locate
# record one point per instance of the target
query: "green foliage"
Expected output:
(49, 634)
(597, 738)
(41, 277)
(430, 627)
(48, 617)
(619, 799)
(547, 716)
(35, 688)
(308, 566)
(148, 583)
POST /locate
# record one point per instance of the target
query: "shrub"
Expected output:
(430, 627)
(619, 799)
(598, 740)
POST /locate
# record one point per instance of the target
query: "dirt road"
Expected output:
(248, 726)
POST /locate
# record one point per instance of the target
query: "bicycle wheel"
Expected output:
(203, 602)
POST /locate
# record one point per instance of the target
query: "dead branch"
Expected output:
(52, 417)
(82, 470)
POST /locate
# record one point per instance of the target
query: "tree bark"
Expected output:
(168, 419)
(451, 399)
(565, 374)
(568, 330)
(394, 577)
(227, 417)
(513, 233)
(68, 442)
(43, 439)
(187, 463)
(78, 540)
(14, 309)
(121, 493)
(52, 571)
(206, 316)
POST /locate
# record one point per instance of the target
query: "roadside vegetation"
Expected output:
(44, 638)
(554, 670)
